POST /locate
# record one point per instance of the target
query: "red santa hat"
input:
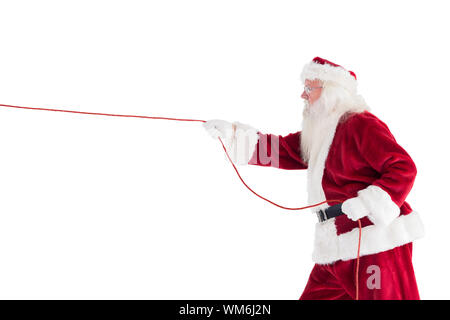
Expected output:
(325, 70)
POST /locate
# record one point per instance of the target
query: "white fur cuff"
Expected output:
(382, 210)
(242, 143)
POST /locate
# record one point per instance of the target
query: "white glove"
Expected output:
(354, 208)
(239, 139)
(219, 128)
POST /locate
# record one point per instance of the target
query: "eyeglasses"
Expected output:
(308, 90)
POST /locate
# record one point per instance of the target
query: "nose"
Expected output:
(304, 95)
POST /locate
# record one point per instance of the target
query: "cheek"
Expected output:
(315, 96)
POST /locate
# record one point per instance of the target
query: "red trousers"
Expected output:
(387, 275)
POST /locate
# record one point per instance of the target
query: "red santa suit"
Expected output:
(359, 160)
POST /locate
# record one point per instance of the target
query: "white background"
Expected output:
(96, 207)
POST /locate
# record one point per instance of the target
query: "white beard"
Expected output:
(318, 124)
(318, 128)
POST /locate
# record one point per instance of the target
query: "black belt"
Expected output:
(329, 212)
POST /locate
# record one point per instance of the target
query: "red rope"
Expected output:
(256, 194)
(102, 114)
(357, 262)
(228, 156)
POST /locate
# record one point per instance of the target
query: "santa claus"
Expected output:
(350, 156)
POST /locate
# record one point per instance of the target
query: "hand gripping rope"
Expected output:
(228, 156)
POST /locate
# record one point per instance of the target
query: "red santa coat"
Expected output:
(361, 159)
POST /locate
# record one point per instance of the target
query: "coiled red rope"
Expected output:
(228, 156)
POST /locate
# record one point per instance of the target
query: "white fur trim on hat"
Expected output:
(327, 72)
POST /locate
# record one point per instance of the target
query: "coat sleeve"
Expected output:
(396, 170)
(281, 152)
